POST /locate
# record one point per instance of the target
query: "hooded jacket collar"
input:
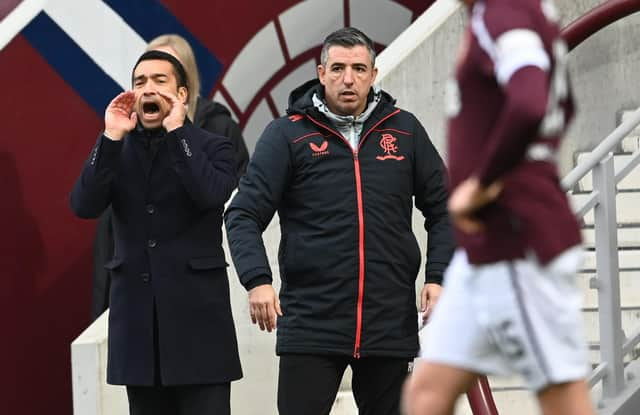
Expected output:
(350, 126)
(301, 98)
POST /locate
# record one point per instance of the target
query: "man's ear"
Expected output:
(183, 94)
(321, 72)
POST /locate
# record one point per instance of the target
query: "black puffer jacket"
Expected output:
(348, 257)
(216, 118)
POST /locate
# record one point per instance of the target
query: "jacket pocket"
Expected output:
(114, 263)
(207, 262)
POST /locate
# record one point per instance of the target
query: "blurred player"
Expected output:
(510, 304)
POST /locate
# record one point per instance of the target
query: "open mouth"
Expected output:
(150, 108)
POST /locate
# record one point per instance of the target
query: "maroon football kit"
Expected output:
(508, 106)
(510, 304)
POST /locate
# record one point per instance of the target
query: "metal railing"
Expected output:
(602, 199)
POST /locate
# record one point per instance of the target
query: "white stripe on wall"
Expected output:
(306, 24)
(101, 33)
(15, 21)
(255, 64)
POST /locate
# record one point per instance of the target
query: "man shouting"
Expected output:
(172, 339)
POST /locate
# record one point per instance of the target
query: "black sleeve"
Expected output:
(91, 193)
(223, 124)
(431, 199)
(204, 164)
(102, 252)
(254, 205)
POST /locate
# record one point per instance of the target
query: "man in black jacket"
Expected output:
(341, 171)
(172, 339)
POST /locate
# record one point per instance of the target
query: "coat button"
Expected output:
(145, 277)
(151, 209)
(151, 243)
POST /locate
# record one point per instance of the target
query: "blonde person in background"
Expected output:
(206, 114)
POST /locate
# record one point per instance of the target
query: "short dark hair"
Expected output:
(178, 69)
(347, 37)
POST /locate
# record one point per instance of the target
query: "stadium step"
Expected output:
(628, 259)
(629, 289)
(631, 143)
(630, 321)
(628, 236)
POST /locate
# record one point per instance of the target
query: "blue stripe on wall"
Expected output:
(149, 19)
(95, 86)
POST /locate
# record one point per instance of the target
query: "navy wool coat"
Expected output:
(167, 192)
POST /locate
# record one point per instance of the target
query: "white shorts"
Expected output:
(511, 317)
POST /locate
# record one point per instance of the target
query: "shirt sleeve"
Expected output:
(510, 34)
(91, 193)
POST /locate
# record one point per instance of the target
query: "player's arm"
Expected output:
(521, 68)
(526, 94)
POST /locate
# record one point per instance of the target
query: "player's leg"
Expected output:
(570, 398)
(434, 388)
(308, 384)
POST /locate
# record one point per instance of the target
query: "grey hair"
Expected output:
(347, 37)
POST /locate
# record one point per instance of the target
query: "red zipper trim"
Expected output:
(319, 124)
(356, 346)
(356, 162)
(305, 136)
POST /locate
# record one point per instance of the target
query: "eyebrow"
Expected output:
(153, 76)
(355, 65)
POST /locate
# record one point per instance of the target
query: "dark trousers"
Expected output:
(214, 399)
(308, 384)
(180, 400)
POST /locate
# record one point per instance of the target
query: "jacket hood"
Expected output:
(300, 99)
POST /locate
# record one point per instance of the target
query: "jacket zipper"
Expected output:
(356, 162)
